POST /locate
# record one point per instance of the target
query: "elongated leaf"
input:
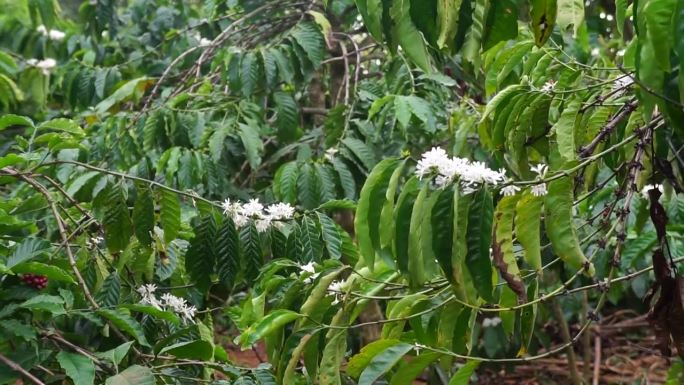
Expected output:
(409, 372)
(285, 183)
(27, 250)
(408, 36)
(402, 219)
(386, 229)
(502, 245)
(228, 253)
(527, 228)
(191, 350)
(309, 238)
(200, 258)
(10, 120)
(359, 362)
(383, 362)
(170, 215)
(367, 218)
(559, 227)
(117, 222)
(543, 15)
(154, 312)
(462, 376)
(110, 291)
(143, 216)
(658, 16)
(79, 368)
(44, 302)
(331, 236)
(479, 237)
(502, 22)
(252, 258)
(571, 12)
(416, 265)
(133, 375)
(122, 320)
(271, 323)
(447, 21)
(565, 130)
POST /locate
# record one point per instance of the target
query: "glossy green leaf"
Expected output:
(123, 321)
(543, 18)
(565, 130)
(45, 302)
(479, 239)
(447, 21)
(271, 323)
(502, 245)
(408, 36)
(527, 228)
(463, 374)
(359, 362)
(406, 374)
(191, 350)
(117, 354)
(170, 215)
(117, 222)
(228, 253)
(372, 197)
(416, 265)
(28, 249)
(79, 368)
(383, 362)
(331, 236)
(200, 258)
(133, 375)
(502, 22)
(559, 227)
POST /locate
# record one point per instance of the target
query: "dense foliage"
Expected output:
(371, 189)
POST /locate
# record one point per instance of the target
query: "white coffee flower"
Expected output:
(252, 208)
(335, 286)
(308, 268)
(431, 161)
(52, 34)
(263, 224)
(548, 86)
(540, 169)
(539, 190)
(491, 322)
(280, 211)
(204, 42)
(330, 153)
(470, 174)
(510, 190)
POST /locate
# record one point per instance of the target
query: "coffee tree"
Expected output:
(368, 191)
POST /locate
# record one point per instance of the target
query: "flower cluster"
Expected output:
(167, 301)
(52, 34)
(336, 289)
(539, 190)
(491, 322)
(471, 175)
(309, 269)
(263, 217)
(548, 87)
(45, 65)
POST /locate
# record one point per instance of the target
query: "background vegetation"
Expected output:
(181, 177)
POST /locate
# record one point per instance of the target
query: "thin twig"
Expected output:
(16, 367)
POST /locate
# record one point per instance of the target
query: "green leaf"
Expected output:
(383, 362)
(285, 183)
(372, 17)
(479, 239)
(154, 312)
(309, 238)
(408, 36)
(527, 228)
(79, 368)
(16, 328)
(272, 322)
(406, 374)
(402, 219)
(287, 115)
(143, 215)
(462, 376)
(122, 320)
(170, 214)
(500, 98)
(117, 223)
(200, 258)
(249, 134)
(331, 236)
(27, 250)
(108, 295)
(132, 88)
(133, 375)
(416, 265)
(571, 12)
(442, 218)
(367, 218)
(543, 15)
(45, 302)
(658, 16)
(347, 180)
(502, 245)
(252, 258)
(62, 124)
(386, 225)
(191, 350)
(309, 37)
(565, 130)
(117, 354)
(502, 22)
(10, 120)
(447, 21)
(228, 253)
(474, 34)
(361, 151)
(358, 363)
(558, 206)
(338, 204)
(620, 15)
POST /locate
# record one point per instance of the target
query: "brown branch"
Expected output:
(625, 111)
(565, 333)
(16, 367)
